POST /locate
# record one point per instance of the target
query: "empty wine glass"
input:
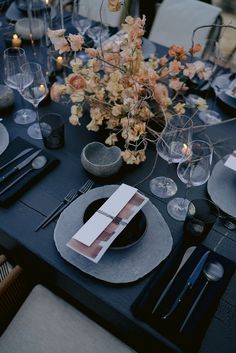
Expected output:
(172, 146)
(98, 34)
(13, 59)
(79, 17)
(3, 6)
(193, 171)
(34, 93)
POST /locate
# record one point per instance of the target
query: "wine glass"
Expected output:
(13, 59)
(172, 146)
(98, 34)
(79, 17)
(34, 93)
(3, 6)
(193, 171)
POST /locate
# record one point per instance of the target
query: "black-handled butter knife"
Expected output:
(21, 154)
(19, 166)
(189, 284)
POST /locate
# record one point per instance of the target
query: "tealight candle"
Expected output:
(42, 88)
(59, 63)
(185, 150)
(16, 41)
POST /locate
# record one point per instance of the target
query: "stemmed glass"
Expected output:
(193, 171)
(79, 17)
(172, 147)
(98, 34)
(34, 93)
(13, 59)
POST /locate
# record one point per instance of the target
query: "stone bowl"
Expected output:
(6, 97)
(22, 28)
(100, 160)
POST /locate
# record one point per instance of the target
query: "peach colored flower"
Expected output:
(196, 48)
(58, 40)
(190, 70)
(163, 60)
(77, 96)
(178, 52)
(76, 81)
(177, 85)
(54, 34)
(57, 90)
(179, 108)
(111, 140)
(175, 67)
(114, 5)
(76, 41)
(133, 157)
(161, 95)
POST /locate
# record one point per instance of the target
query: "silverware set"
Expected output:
(36, 161)
(68, 199)
(212, 271)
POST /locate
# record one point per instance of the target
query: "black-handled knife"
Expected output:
(19, 166)
(23, 153)
(189, 284)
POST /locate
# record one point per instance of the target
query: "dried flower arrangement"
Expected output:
(125, 92)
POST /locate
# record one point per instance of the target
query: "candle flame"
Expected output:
(15, 36)
(42, 88)
(185, 150)
(60, 59)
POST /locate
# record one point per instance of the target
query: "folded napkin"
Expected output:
(190, 338)
(15, 147)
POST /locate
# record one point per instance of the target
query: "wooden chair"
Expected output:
(45, 322)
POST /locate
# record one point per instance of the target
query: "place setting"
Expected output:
(182, 296)
(124, 258)
(21, 166)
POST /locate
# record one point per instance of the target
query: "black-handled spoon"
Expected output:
(38, 163)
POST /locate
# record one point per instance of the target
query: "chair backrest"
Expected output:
(176, 19)
(91, 9)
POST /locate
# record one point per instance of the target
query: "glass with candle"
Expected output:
(16, 41)
(172, 146)
(192, 171)
(34, 93)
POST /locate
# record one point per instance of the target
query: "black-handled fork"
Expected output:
(71, 194)
(86, 187)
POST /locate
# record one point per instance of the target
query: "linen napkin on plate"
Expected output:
(190, 338)
(14, 148)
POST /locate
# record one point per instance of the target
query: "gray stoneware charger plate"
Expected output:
(123, 266)
(222, 188)
(4, 138)
(221, 86)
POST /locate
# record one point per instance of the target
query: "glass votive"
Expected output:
(201, 217)
(52, 129)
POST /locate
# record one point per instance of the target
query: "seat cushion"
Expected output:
(176, 20)
(46, 323)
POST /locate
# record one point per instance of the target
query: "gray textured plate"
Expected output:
(221, 85)
(222, 188)
(121, 266)
(4, 138)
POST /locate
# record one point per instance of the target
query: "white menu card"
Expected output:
(231, 161)
(94, 238)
